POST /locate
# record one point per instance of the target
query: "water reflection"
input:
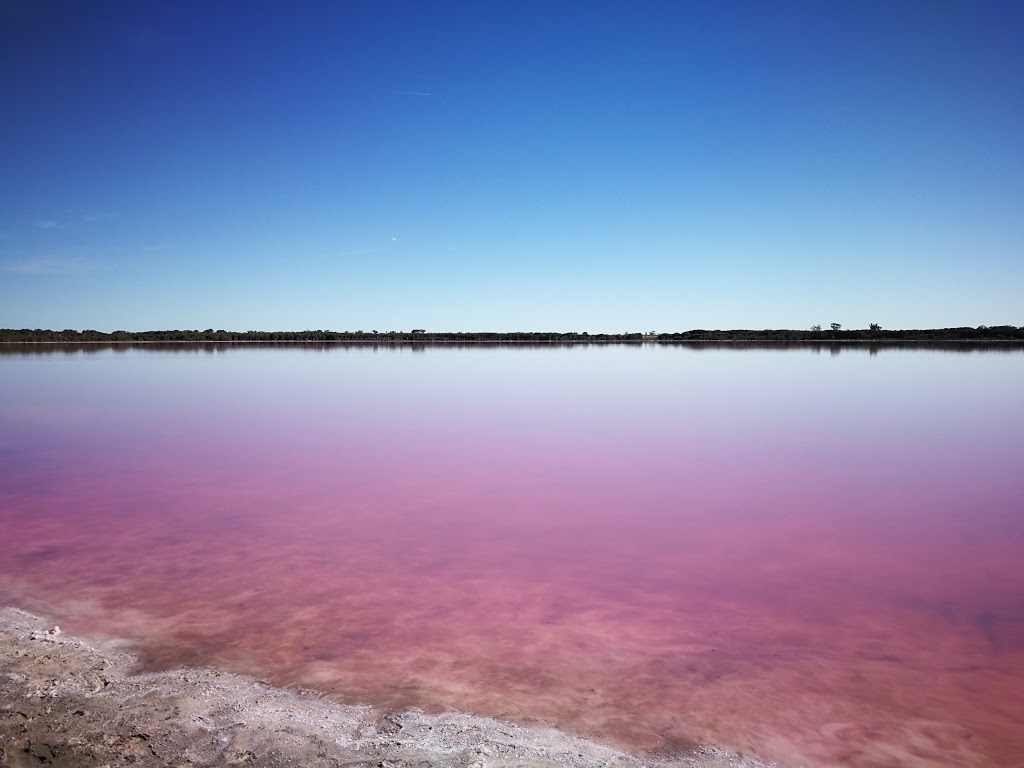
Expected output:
(834, 349)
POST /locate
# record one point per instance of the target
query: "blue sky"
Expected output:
(602, 166)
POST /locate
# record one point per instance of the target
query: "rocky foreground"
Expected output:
(64, 702)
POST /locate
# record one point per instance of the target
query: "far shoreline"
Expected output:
(981, 335)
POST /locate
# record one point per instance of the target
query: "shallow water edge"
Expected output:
(67, 701)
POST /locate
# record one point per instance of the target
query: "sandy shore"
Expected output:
(68, 702)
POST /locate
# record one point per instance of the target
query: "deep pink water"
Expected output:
(811, 557)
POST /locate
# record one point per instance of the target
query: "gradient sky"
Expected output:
(602, 166)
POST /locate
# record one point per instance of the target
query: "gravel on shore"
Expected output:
(66, 702)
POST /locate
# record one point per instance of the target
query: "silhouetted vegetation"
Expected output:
(983, 333)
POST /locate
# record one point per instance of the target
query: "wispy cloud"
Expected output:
(48, 224)
(414, 93)
(44, 266)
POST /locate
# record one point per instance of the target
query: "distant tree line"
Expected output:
(873, 333)
(418, 334)
(814, 334)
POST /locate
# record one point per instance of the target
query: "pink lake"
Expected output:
(814, 556)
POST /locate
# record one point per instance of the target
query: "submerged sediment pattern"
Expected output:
(67, 704)
(650, 551)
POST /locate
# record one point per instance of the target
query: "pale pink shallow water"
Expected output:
(810, 557)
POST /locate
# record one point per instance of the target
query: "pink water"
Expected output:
(808, 557)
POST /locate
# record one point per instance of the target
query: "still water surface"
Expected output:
(811, 556)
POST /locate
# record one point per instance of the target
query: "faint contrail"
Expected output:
(414, 93)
